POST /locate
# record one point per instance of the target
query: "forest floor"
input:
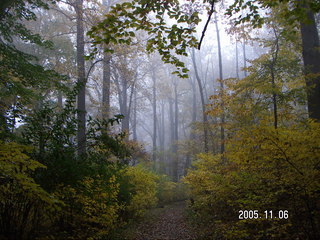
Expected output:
(167, 223)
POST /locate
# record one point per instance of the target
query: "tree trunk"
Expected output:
(132, 100)
(176, 112)
(106, 79)
(154, 108)
(311, 59)
(194, 106)
(176, 136)
(106, 86)
(172, 137)
(273, 82)
(193, 120)
(124, 107)
(222, 137)
(134, 124)
(162, 134)
(194, 102)
(244, 58)
(274, 99)
(204, 115)
(237, 61)
(81, 103)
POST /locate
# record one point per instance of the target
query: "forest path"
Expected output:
(167, 223)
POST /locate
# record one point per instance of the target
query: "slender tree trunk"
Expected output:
(237, 60)
(274, 99)
(154, 108)
(204, 115)
(273, 82)
(176, 133)
(59, 92)
(222, 137)
(81, 103)
(106, 79)
(213, 77)
(172, 136)
(162, 128)
(244, 53)
(244, 57)
(131, 98)
(194, 102)
(193, 120)
(176, 112)
(162, 133)
(311, 59)
(106, 82)
(124, 108)
(134, 125)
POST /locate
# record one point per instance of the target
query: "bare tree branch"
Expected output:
(207, 23)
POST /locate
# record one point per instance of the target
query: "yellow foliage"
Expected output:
(24, 205)
(265, 169)
(93, 207)
(144, 190)
(166, 189)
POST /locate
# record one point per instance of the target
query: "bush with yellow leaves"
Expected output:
(165, 189)
(92, 208)
(169, 191)
(25, 207)
(263, 169)
(99, 205)
(143, 190)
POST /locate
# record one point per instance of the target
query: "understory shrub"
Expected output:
(25, 207)
(47, 191)
(263, 169)
(91, 210)
(169, 191)
(143, 190)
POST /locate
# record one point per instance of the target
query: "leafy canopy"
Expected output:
(292, 13)
(124, 21)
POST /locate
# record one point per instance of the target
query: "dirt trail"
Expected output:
(168, 223)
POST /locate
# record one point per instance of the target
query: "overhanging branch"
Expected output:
(207, 23)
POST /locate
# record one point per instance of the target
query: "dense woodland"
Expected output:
(109, 108)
